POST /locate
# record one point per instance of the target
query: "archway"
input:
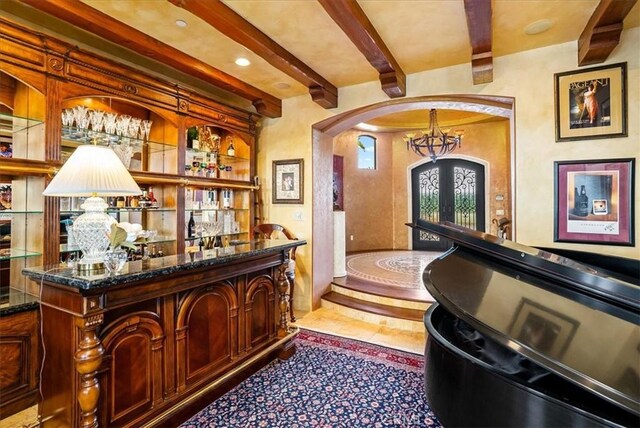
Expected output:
(322, 161)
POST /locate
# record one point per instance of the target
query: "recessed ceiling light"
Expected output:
(537, 27)
(243, 62)
(180, 23)
(282, 85)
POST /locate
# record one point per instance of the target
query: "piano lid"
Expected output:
(574, 319)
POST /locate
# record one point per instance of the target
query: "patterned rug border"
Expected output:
(391, 356)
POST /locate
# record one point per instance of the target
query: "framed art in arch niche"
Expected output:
(591, 103)
(594, 201)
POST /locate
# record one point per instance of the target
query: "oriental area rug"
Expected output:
(329, 382)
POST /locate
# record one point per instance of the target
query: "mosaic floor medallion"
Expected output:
(399, 268)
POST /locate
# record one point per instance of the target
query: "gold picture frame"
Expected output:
(288, 181)
(591, 103)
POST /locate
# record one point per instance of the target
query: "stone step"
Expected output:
(376, 313)
(364, 295)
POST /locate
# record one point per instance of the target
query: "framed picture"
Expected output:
(591, 103)
(594, 201)
(6, 149)
(288, 181)
(542, 329)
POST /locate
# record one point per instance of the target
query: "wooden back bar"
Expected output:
(133, 349)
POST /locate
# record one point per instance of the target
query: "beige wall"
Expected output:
(368, 193)
(377, 202)
(526, 76)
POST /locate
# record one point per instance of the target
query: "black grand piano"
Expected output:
(526, 337)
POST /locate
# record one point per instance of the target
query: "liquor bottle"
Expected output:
(191, 226)
(144, 201)
(191, 134)
(195, 143)
(231, 151)
(153, 202)
(153, 253)
(160, 252)
(120, 202)
(581, 203)
(226, 198)
(134, 202)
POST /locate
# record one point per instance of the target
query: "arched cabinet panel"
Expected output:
(259, 311)
(131, 376)
(207, 328)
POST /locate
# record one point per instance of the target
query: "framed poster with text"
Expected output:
(591, 103)
(594, 201)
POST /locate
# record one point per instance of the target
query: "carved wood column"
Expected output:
(282, 284)
(88, 359)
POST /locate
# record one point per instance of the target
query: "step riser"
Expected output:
(389, 301)
(381, 320)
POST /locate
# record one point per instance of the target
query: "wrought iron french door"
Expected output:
(447, 190)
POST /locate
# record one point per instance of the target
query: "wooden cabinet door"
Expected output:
(207, 332)
(131, 374)
(19, 362)
(260, 324)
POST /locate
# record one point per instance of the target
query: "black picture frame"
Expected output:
(578, 183)
(591, 103)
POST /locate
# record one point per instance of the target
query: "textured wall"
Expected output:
(526, 76)
(377, 203)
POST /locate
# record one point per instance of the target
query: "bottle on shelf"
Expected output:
(120, 202)
(231, 151)
(134, 202)
(226, 198)
(144, 201)
(192, 134)
(191, 226)
(153, 202)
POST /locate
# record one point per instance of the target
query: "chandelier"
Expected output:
(433, 142)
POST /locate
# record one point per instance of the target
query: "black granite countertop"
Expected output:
(141, 270)
(13, 301)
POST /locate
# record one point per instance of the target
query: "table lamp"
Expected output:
(92, 171)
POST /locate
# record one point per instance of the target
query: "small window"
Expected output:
(366, 152)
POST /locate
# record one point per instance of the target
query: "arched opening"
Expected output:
(323, 134)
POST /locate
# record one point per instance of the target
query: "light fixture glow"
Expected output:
(433, 142)
(537, 27)
(366, 127)
(181, 23)
(242, 62)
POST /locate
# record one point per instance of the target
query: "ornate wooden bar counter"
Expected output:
(139, 347)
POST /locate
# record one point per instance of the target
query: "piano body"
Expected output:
(524, 337)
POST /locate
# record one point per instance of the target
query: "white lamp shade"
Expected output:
(92, 170)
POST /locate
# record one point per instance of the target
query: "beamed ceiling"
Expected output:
(314, 47)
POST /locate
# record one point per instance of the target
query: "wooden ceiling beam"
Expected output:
(479, 14)
(355, 24)
(96, 22)
(601, 35)
(234, 26)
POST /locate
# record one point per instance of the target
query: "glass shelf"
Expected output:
(123, 210)
(74, 137)
(65, 248)
(14, 253)
(10, 124)
(200, 210)
(3, 212)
